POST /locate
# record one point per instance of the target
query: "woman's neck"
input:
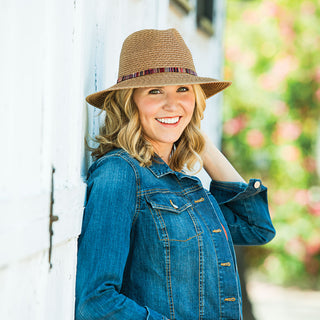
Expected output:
(164, 152)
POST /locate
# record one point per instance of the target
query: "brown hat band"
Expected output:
(156, 70)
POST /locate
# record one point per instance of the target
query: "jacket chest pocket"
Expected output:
(173, 216)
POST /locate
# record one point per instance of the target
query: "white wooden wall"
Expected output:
(54, 53)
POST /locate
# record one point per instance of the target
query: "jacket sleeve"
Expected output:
(104, 243)
(245, 208)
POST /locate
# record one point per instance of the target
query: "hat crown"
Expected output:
(148, 49)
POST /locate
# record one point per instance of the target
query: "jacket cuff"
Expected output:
(230, 191)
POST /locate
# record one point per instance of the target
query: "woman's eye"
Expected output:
(154, 91)
(183, 89)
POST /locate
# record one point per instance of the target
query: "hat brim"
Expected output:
(210, 86)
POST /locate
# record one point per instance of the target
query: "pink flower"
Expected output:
(314, 204)
(280, 108)
(317, 75)
(268, 82)
(278, 73)
(287, 31)
(296, 247)
(284, 66)
(302, 197)
(314, 208)
(287, 131)
(310, 164)
(251, 17)
(233, 53)
(235, 125)
(271, 9)
(290, 153)
(313, 245)
(310, 259)
(255, 138)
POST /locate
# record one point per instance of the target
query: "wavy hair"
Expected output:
(122, 129)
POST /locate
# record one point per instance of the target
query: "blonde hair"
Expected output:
(122, 129)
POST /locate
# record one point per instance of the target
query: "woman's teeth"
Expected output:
(168, 120)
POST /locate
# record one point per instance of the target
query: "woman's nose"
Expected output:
(171, 101)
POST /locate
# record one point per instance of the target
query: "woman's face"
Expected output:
(164, 113)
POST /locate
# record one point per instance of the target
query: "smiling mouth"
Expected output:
(173, 120)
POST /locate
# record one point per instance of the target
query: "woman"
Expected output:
(155, 244)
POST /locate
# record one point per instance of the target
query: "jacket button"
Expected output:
(257, 184)
(230, 299)
(200, 200)
(225, 264)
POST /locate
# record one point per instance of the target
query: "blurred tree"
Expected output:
(271, 120)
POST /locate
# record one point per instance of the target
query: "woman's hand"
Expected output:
(217, 165)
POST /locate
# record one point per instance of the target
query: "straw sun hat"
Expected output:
(156, 58)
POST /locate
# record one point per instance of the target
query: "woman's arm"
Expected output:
(217, 165)
(104, 245)
(244, 206)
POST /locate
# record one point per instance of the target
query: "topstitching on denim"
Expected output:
(178, 260)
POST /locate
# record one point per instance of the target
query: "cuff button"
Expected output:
(257, 184)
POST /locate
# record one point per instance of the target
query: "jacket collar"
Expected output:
(159, 169)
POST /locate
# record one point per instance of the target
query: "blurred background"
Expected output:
(271, 130)
(56, 52)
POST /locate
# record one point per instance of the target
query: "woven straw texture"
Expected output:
(149, 49)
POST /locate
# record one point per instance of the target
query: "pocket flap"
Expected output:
(168, 201)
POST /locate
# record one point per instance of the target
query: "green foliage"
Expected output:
(271, 126)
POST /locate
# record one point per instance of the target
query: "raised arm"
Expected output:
(244, 206)
(217, 165)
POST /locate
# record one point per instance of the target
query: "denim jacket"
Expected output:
(156, 245)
